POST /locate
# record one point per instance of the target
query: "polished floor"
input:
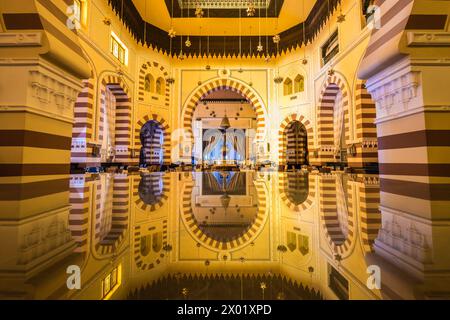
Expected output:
(211, 235)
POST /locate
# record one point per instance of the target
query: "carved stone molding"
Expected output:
(370, 143)
(428, 39)
(395, 96)
(48, 90)
(29, 39)
(406, 238)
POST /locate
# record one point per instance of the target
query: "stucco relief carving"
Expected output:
(407, 238)
(42, 238)
(48, 91)
(396, 96)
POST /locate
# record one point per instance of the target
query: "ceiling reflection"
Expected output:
(218, 235)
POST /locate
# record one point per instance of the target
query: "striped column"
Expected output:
(408, 80)
(79, 211)
(366, 148)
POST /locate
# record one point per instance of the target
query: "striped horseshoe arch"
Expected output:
(284, 187)
(159, 195)
(325, 121)
(369, 212)
(122, 137)
(227, 84)
(282, 135)
(145, 69)
(191, 224)
(111, 219)
(340, 234)
(163, 125)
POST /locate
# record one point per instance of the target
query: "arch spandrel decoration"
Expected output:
(164, 126)
(282, 183)
(339, 243)
(282, 140)
(227, 84)
(252, 233)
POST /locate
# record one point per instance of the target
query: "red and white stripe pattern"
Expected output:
(283, 139)
(223, 84)
(112, 217)
(285, 188)
(165, 128)
(325, 121)
(146, 68)
(366, 131)
(339, 240)
(122, 122)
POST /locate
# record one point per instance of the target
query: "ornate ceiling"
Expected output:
(224, 36)
(282, 15)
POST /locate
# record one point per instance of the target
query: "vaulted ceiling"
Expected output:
(224, 16)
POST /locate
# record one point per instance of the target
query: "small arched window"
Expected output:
(160, 86)
(299, 84)
(146, 245)
(287, 87)
(149, 84)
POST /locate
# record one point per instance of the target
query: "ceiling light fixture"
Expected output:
(304, 60)
(170, 79)
(199, 12)
(260, 47)
(188, 42)
(208, 67)
(251, 10)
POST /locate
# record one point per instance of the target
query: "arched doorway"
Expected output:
(114, 122)
(152, 140)
(333, 122)
(224, 129)
(297, 144)
(187, 153)
(295, 141)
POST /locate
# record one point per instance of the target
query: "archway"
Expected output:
(297, 144)
(114, 122)
(233, 144)
(336, 211)
(152, 140)
(151, 137)
(295, 140)
(111, 218)
(297, 190)
(333, 121)
(201, 92)
(240, 224)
